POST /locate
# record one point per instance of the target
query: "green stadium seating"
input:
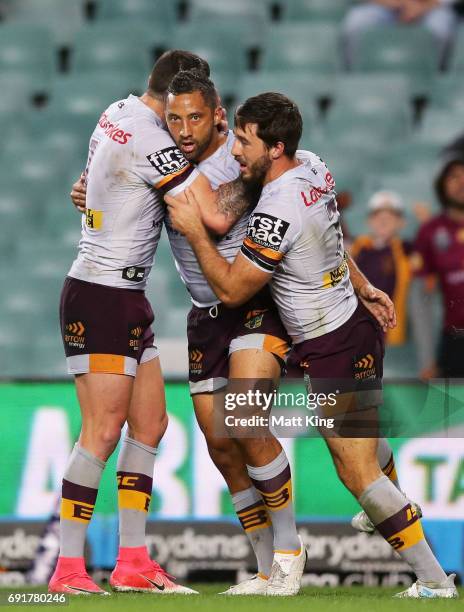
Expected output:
(373, 93)
(224, 44)
(309, 10)
(409, 155)
(86, 95)
(447, 92)
(26, 49)
(408, 49)
(368, 132)
(306, 89)
(439, 127)
(102, 46)
(204, 10)
(290, 47)
(164, 12)
(457, 55)
(62, 18)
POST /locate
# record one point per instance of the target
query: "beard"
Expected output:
(257, 171)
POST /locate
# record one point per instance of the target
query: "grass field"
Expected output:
(311, 599)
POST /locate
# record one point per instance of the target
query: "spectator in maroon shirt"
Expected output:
(384, 257)
(439, 253)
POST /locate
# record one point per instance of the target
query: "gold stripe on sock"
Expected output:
(133, 500)
(407, 537)
(72, 510)
(387, 470)
(256, 518)
(278, 500)
(263, 576)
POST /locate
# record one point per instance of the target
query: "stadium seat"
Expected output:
(457, 55)
(224, 44)
(440, 128)
(368, 132)
(61, 18)
(26, 49)
(101, 47)
(86, 95)
(409, 155)
(409, 49)
(301, 47)
(312, 10)
(37, 168)
(202, 11)
(19, 210)
(447, 92)
(306, 89)
(144, 11)
(372, 93)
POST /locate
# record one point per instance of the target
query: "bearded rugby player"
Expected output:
(296, 245)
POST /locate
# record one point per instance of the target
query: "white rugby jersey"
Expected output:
(294, 233)
(219, 168)
(130, 154)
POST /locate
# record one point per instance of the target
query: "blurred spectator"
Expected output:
(384, 257)
(437, 16)
(439, 253)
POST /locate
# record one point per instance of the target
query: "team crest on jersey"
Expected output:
(168, 161)
(134, 274)
(267, 231)
(255, 319)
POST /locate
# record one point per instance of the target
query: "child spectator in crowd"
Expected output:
(384, 257)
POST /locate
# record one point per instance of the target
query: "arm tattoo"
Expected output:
(233, 198)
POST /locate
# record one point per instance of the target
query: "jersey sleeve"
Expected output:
(422, 259)
(271, 232)
(161, 164)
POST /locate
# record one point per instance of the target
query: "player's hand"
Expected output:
(185, 216)
(379, 304)
(78, 194)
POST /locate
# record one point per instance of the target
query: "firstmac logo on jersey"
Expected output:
(168, 161)
(266, 230)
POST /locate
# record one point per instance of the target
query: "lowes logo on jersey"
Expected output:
(168, 161)
(266, 230)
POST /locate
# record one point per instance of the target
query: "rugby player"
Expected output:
(106, 327)
(193, 114)
(297, 244)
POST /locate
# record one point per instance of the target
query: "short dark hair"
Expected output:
(188, 81)
(277, 117)
(168, 65)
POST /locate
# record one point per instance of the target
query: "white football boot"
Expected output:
(418, 590)
(361, 522)
(256, 585)
(286, 572)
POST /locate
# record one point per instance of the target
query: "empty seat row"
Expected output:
(29, 49)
